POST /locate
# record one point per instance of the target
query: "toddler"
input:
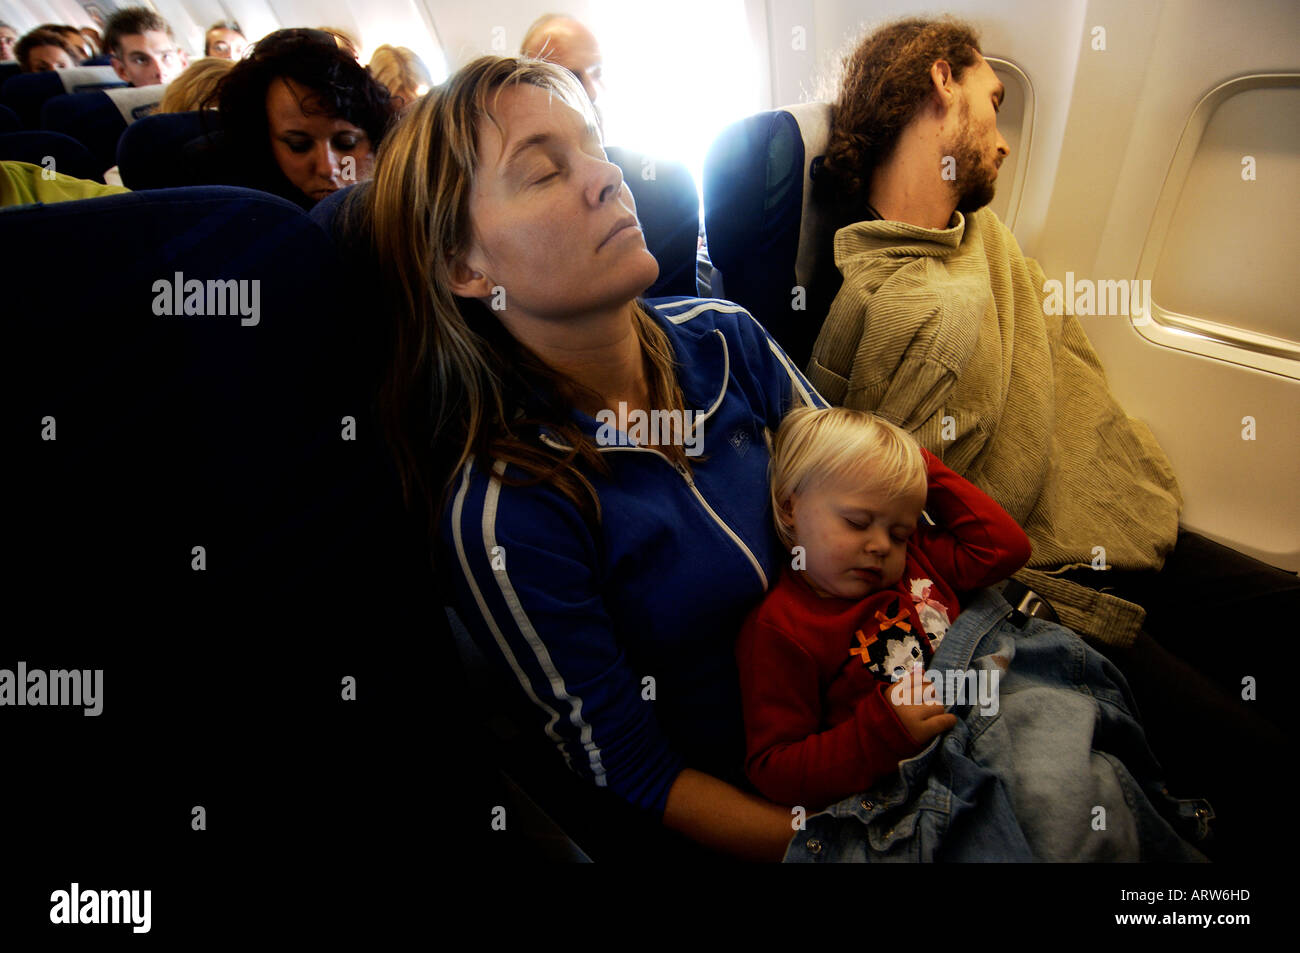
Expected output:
(869, 593)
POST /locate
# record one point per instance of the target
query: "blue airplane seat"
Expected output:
(205, 159)
(26, 93)
(668, 207)
(767, 235)
(151, 153)
(70, 156)
(98, 119)
(103, 59)
(136, 436)
(9, 121)
(223, 430)
(323, 212)
(11, 68)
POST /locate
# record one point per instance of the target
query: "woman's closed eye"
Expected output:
(544, 176)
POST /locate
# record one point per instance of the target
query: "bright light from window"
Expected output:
(676, 72)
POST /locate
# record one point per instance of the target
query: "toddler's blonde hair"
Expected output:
(816, 445)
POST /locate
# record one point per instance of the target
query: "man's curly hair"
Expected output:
(886, 80)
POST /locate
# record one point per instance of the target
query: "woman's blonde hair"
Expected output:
(196, 87)
(401, 71)
(343, 39)
(815, 446)
(459, 386)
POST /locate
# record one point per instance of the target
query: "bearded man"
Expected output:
(940, 327)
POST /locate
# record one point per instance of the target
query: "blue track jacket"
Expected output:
(624, 638)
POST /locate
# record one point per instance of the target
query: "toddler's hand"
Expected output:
(923, 720)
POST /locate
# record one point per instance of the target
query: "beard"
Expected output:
(976, 179)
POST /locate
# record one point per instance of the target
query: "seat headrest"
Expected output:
(36, 146)
(151, 152)
(207, 366)
(767, 235)
(136, 102)
(814, 121)
(93, 119)
(87, 79)
(668, 207)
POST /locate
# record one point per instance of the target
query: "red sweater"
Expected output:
(818, 724)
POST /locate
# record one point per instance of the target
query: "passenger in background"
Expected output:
(142, 46)
(564, 41)
(81, 49)
(8, 39)
(43, 50)
(402, 73)
(93, 40)
(302, 117)
(510, 259)
(940, 327)
(197, 87)
(225, 40)
(22, 183)
(345, 40)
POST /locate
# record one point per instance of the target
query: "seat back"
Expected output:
(769, 239)
(9, 121)
(206, 510)
(98, 119)
(53, 151)
(26, 93)
(151, 153)
(668, 207)
(244, 429)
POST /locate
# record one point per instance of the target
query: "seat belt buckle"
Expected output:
(1025, 603)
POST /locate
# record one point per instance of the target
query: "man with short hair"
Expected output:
(8, 39)
(225, 40)
(564, 41)
(941, 327)
(143, 49)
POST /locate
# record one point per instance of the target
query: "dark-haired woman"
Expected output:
(301, 117)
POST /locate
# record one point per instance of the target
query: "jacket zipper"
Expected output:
(686, 476)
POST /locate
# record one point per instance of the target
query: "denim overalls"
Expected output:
(1057, 769)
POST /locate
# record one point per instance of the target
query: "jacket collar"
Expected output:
(895, 238)
(703, 363)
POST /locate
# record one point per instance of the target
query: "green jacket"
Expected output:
(943, 332)
(22, 183)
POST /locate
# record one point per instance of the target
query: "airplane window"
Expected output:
(676, 73)
(1016, 123)
(1228, 255)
